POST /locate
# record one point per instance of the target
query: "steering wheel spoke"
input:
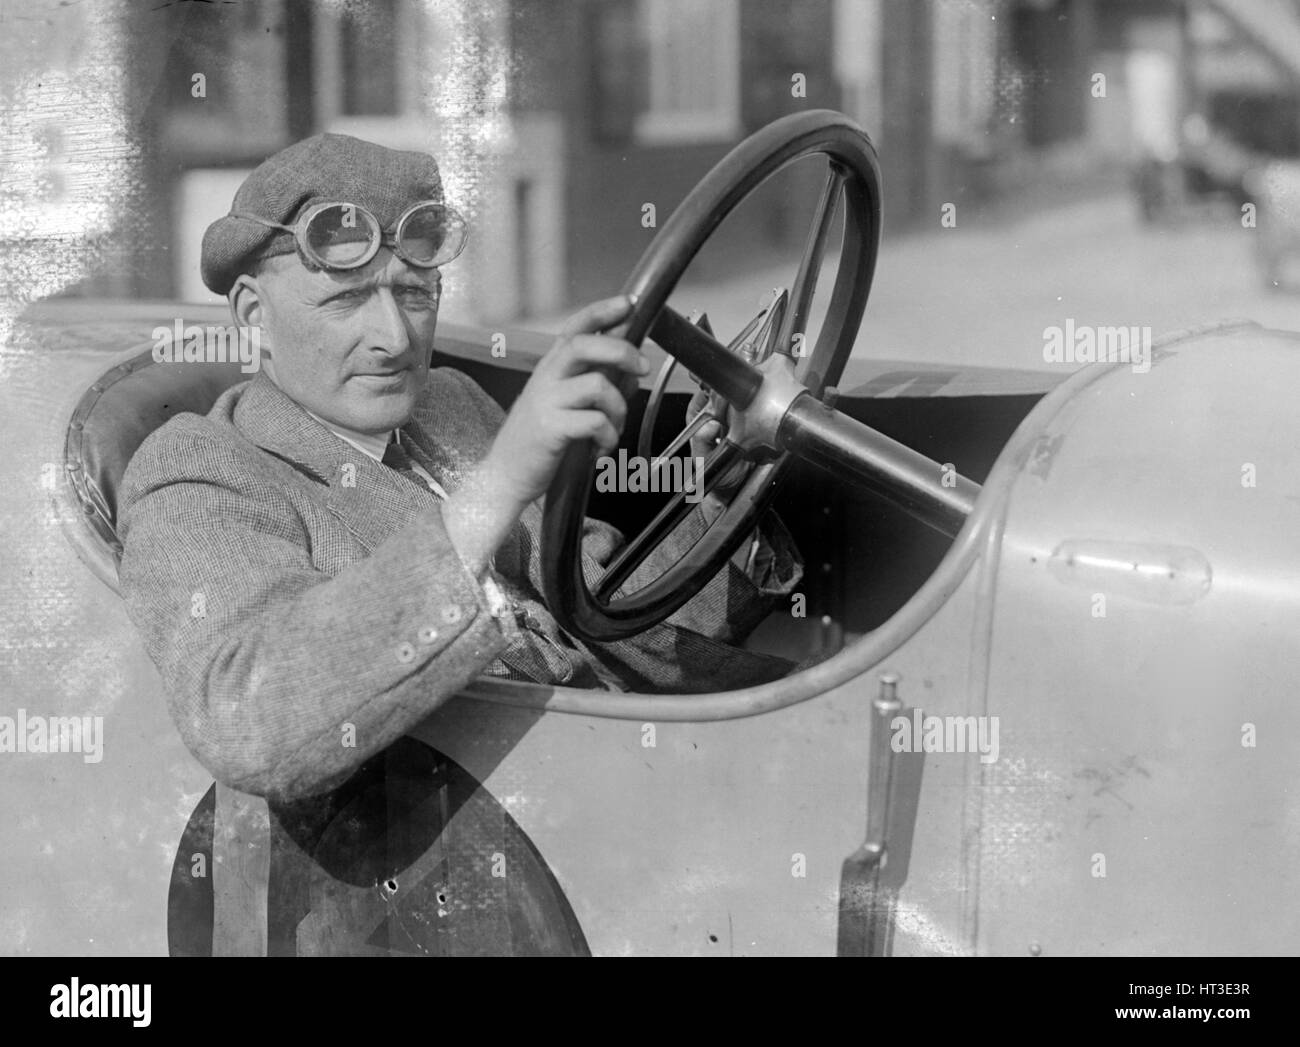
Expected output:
(681, 439)
(667, 520)
(645, 438)
(705, 357)
(795, 321)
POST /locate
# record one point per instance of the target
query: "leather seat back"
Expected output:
(108, 425)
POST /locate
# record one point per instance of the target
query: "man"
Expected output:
(345, 541)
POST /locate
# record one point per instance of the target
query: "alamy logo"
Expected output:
(101, 1001)
(945, 734)
(1082, 344)
(53, 734)
(208, 345)
(639, 476)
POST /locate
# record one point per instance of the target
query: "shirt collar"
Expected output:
(366, 443)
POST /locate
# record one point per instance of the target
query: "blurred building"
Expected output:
(557, 122)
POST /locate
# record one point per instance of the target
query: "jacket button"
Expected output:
(451, 615)
(405, 653)
(428, 634)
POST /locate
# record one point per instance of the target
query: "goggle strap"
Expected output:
(260, 221)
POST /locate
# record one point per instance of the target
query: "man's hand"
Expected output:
(577, 391)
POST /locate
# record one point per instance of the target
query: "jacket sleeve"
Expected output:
(283, 679)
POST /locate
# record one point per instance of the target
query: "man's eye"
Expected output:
(351, 297)
(418, 297)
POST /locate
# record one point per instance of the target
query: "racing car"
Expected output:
(1045, 702)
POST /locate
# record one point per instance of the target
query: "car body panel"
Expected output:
(1142, 802)
(1126, 726)
(727, 837)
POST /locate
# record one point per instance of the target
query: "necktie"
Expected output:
(397, 459)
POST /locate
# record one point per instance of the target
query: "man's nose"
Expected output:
(388, 328)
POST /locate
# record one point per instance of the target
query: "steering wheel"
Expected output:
(776, 394)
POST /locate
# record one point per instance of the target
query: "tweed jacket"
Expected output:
(305, 605)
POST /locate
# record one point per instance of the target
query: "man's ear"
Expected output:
(245, 298)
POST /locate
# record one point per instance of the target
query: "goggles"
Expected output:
(347, 236)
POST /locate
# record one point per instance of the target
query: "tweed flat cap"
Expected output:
(325, 167)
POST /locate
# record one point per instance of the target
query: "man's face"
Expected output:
(351, 347)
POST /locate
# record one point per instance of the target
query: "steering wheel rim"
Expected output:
(854, 176)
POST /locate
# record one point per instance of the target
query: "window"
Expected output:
(692, 70)
(225, 82)
(368, 61)
(368, 41)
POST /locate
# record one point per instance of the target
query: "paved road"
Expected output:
(983, 292)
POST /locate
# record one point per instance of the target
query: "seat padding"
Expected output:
(109, 424)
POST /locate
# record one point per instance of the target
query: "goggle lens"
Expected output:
(432, 235)
(342, 235)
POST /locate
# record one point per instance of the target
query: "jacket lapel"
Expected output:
(370, 499)
(438, 441)
(434, 456)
